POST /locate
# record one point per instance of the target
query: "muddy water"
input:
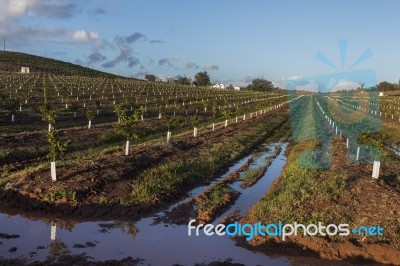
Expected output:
(155, 243)
(249, 196)
(395, 152)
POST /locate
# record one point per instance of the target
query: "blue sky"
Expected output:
(234, 40)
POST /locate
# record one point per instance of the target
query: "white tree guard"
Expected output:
(375, 170)
(53, 171)
(168, 136)
(127, 148)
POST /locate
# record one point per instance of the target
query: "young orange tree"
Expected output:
(48, 115)
(57, 148)
(127, 125)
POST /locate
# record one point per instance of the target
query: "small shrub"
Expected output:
(58, 194)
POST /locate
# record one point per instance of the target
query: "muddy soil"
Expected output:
(209, 214)
(31, 147)
(245, 166)
(254, 180)
(77, 135)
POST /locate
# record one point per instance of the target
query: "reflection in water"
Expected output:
(127, 227)
(53, 231)
(57, 247)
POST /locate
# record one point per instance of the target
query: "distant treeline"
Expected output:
(387, 86)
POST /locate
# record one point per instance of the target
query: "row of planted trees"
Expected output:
(12, 107)
(170, 103)
(127, 126)
(74, 92)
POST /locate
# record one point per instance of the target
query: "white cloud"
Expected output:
(94, 35)
(20, 35)
(83, 36)
(80, 36)
(13, 10)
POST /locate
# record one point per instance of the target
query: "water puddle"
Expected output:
(157, 243)
(251, 195)
(395, 151)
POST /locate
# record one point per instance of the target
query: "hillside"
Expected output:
(13, 61)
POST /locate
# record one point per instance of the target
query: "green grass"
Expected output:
(5, 171)
(215, 197)
(335, 185)
(251, 174)
(298, 187)
(110, 137)
(378, 140)
(153, 183)
(3, 181)
(58, 194)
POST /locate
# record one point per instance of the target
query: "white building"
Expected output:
(218, 86)
(381, 94)
(236, 88)
(25, 70)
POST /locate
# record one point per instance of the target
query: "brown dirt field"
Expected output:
(36, 141)
(77, 135)
(80, 138)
